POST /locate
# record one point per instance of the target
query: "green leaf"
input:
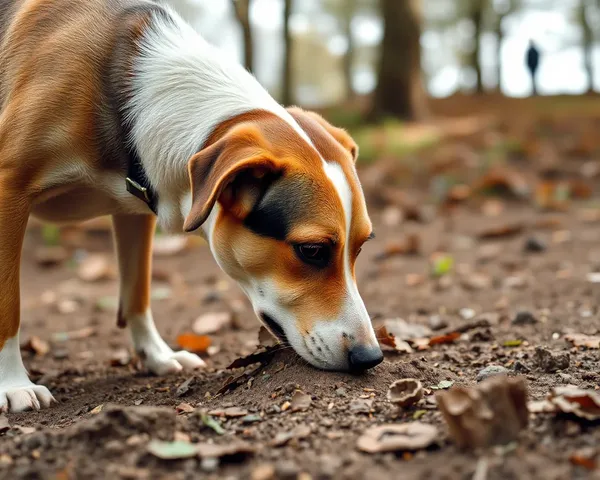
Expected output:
(172, 450)
(51, 235)
(443, 385)
(210, 422)
(442, 265)
(512, 343)
(418, 414)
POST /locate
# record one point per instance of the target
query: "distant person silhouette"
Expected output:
(533, 62)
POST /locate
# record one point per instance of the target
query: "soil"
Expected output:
(108, 412)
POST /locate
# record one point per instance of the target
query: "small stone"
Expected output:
(341, 392)
(361, 406)
(491, 371)
(520, 367)
(209, 464)
(466, 313)
(437, 322)
(534, 245)
(524, 317)
(550, 362)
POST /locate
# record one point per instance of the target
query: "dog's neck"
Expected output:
(182, 89)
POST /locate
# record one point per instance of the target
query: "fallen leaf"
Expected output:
(387, 339)
(502, 181)
(447, 338)
(282, 438)
(212, 423)
(184, 388)
(513, 343)
(586, 458)
(95, 268)
(403, 330)
(441, 264)
(582, 340)
(36, 346)
(493, 412)
(193, 342)
(262, 357)
(584, 404)
(172, 450)
(184, 408)
(300, 401)
(212, 322)
(443, 385)
(502, 231)
(169, 245)
(266, 338)
(97, 410)
(405, 392)
(229, 412)
(393, 437)
(230, 450)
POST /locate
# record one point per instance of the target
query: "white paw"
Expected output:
(167, 362)
(24, 397)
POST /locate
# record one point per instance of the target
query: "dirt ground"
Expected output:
(109, 410)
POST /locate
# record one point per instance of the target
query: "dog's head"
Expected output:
(287, 221)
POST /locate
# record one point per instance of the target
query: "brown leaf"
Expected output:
(586, 458)
(193, 342)
(582, 340)
(95, 268)
(411, 245)
(300, 401)
(184, 408)
(502, 231)
(405, 392)
(231, 412)
(37, 346)
(282, 438)
(584, 404)
(232, 450)
(493, 412)
(447, 338)
(212, 322)
(263, 357)
(387, 339)
(394, 437)
(501, 181)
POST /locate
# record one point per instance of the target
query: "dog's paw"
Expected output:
(24, 397)
(167, 362)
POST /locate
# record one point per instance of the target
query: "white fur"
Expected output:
(182, 88)
(17, 392)
(156, 354)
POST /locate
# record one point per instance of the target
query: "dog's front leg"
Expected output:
(17, 392)
(133, 240)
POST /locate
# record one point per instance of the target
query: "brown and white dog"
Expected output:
(118, 107)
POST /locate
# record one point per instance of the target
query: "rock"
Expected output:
(437, 322)
(524, 317)
(341, 392)
(491, 371)
(550, 362)
(534, 245)
(361, 405)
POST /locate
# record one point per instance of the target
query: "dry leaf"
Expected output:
(212, 322)
(586, 458)
(282, 438)
(234, 449)
(193, 342)
(501, 181)
(493, 412)
(584, 404)
(405, 392)
(502, 231)
(37, 346)
(391, 438)
(582, 340)
(172, 450)
(95, 268)
(300, 401)
(387, 339)
(447, 338)
(184, 408)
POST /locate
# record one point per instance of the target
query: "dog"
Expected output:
(119, 107)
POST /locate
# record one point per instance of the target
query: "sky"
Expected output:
(561, 68)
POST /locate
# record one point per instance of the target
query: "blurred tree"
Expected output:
(287, 80)
(400, 92)
(587, 41)
(476, 17)
(242, 13)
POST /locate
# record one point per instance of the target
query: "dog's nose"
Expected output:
(363, 358)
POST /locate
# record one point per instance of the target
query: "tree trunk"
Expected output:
(588, 44)
(348, 59)
(474, 60)
(400, 92)
(242, 13)
(287, 81)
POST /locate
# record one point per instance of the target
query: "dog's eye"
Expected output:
(313, 253)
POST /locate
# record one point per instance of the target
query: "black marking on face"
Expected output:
(284, 204)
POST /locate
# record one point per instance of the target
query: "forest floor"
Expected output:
(487, 254)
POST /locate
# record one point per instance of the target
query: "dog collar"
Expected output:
(138, 185)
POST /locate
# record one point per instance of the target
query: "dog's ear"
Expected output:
(235, 171)
(339, 134)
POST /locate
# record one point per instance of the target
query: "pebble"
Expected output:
(436, 322)
(491, 371)
(341, 392)
(550, 362)
(534, 245)
(524, 317)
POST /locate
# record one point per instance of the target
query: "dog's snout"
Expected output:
(361, 357)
